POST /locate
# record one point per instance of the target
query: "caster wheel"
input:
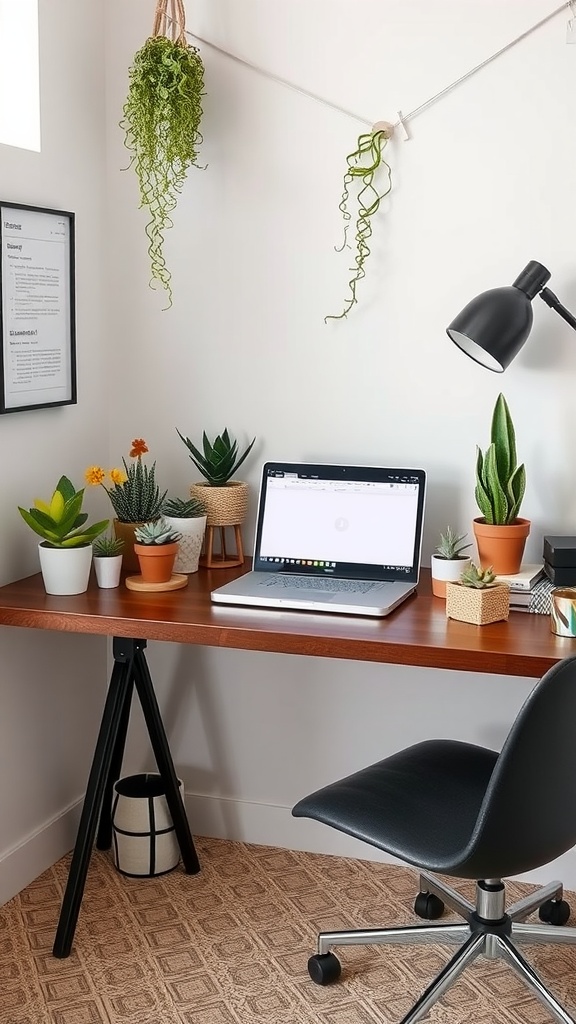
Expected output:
(324, 968)
(554, 912)
(428, 905)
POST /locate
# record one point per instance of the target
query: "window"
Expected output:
(19, 74)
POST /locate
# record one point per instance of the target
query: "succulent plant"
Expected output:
(477, 577)
(500, 481)
(183, 508)
(108, 546)
(60, 521)
(157, 532)
(450, 546)
(219, 459)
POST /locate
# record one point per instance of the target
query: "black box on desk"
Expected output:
(561, 575)
(560, 552)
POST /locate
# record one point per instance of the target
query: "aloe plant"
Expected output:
(478, 578)
(500, 481)
(183, 508)
(219, 459)
(60, 522)
(450, 546)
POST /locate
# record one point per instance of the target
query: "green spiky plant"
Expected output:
(500, 481)
(450, 546)
(219, 459)
(478, 578)
(362, 167)
(183, 508)
(158, 532)
(60, 521)
(108, 546)
(162, 115)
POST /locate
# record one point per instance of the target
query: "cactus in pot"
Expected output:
(478, 597)
(448, 560)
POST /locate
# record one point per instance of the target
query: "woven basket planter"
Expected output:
(468, 604)
(225, 506)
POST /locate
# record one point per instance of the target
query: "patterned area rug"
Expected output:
(230, 945)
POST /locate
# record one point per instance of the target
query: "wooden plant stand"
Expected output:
(222, 559)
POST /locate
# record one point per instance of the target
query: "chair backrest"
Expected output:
(528, 815)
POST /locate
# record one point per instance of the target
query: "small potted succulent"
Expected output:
(448, 562)
(188, 517)
(156, 546)
(500, 484)
(478, 597)
(108, 560)
(226, 500)
(65, 550)
(134, 494)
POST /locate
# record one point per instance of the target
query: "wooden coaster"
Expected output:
(176, 582)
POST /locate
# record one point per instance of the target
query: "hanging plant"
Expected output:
(161, 120)
(363, 165)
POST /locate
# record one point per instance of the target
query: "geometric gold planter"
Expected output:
(469, 604)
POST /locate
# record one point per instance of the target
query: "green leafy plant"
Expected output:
(450, 546)
(162, 115)
(134, 494)
(500, 481)
(157, 532)
(108, 546)
(60, 522)
(183, 508)
(362, 167)
(219, 459)
(478, 578)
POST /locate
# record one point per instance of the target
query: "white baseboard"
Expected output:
(37, 852)
(239, 820)
(273, 825)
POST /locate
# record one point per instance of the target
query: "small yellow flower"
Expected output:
(118, 476)
(94, 475)
(139, 447)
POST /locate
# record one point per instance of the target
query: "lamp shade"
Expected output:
(493, 327)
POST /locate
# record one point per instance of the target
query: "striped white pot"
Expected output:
(143, 835)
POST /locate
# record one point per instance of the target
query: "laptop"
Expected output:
(343, 539)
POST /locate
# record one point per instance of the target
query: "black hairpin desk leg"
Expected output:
(130, 669)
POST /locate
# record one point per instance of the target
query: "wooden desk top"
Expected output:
(416, 633)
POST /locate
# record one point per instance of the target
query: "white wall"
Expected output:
(484, 186)
(52, 686)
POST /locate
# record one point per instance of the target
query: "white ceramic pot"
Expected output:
(446, 570)
(192, 531)
(143, 834)
(108, 569)
(65, 570)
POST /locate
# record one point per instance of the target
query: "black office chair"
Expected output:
(462, 810)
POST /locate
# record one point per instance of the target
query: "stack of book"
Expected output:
(530, 590)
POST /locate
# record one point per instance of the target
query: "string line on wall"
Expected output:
(402, 118)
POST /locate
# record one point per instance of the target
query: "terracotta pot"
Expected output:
(156, 561)
(225, 506)
(502, 547)
(125, 532)
(446, 570)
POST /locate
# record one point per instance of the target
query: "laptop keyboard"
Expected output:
(323, 584)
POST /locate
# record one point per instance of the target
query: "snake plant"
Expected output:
(500, 481)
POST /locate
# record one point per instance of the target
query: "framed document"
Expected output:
(37, 308)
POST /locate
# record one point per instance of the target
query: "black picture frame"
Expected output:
(37, 308)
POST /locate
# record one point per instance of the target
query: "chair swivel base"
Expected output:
(489, 931)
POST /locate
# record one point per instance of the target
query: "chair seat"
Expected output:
(421, 804)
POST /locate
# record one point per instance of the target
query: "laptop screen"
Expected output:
(354, 522)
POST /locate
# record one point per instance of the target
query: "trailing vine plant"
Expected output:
(363, 165)
(162, 115)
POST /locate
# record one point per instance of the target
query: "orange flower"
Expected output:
(139, 447)
(118, 476)
(94, 475)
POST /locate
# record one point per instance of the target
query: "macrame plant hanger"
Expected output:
(170, 21)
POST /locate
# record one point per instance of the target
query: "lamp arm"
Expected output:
(551, 300)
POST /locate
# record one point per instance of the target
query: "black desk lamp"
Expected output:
(493, 327)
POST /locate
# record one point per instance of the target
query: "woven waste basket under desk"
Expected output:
(143, 834)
